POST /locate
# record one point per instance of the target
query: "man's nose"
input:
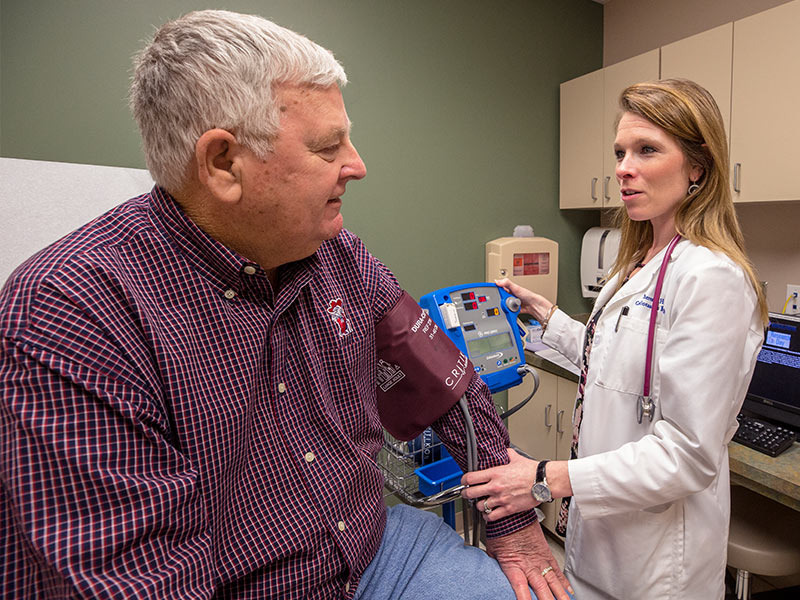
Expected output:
(354, 167)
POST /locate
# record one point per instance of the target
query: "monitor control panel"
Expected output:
(481, 319)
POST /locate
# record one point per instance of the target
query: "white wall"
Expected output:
(41, 201)
(631, 27)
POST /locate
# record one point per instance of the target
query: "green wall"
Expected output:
(454, 104)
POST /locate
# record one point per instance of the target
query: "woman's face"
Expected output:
(653, 172)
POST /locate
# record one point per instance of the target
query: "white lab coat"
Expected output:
(651, 505)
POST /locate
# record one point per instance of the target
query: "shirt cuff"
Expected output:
(555, 327)
(510, 524)
(586, 490)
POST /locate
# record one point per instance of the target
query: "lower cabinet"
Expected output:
(543, 428)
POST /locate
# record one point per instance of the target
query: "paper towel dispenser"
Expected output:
(598, 253)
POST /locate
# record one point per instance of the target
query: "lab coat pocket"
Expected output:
(657, 545)
(646, 545)
(621, 366)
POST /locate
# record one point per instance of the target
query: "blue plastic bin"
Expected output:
(438, 476)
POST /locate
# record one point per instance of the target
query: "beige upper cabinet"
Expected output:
(644, 67)
(765, 121)
(589, 109)
(750, 66)
(705, 58)
(581, 150)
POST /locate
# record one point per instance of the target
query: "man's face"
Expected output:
(293, 198)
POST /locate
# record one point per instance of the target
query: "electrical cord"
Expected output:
(521, 370)
(786, 304)
(469, 512)
(451, 494)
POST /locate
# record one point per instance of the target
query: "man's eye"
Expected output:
(619, 154)
(330, 150)
(648, 149)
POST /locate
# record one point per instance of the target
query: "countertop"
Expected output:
(538, 362)
(777, 478)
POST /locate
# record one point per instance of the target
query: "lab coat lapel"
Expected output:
(608, 299)
(643, 281)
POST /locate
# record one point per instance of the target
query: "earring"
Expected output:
(692, 189)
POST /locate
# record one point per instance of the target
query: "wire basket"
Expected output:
(400, 460)
(421, 473)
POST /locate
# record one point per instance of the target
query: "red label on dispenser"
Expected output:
(531, 263)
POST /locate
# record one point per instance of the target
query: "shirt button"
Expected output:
(281, 388)
(347, 587)
(250, 269)
(341, 525)
(310, 457)
(229, 294)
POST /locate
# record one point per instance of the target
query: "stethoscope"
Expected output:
(647, 405)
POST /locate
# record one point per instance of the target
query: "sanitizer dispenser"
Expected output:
(531, 262)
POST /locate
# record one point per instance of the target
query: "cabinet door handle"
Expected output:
(560, 422)
(547, 422)
(737, 167)
(594, 190)
(606, 181)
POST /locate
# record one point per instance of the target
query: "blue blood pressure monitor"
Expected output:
(481, 319)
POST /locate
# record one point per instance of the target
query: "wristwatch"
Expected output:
(540, 489)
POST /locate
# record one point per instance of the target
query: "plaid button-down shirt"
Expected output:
(172, 428)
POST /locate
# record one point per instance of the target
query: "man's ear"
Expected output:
(216, 157)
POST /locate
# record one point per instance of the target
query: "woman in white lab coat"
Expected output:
(649, 499)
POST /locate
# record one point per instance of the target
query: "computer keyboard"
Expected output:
(763, 436)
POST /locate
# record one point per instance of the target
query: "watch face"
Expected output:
(541, 492)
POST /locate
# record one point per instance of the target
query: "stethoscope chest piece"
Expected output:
(645, 406)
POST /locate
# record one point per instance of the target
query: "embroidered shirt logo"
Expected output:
(336, 311)
(388, 375)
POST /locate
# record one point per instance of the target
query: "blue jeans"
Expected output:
(421, 557)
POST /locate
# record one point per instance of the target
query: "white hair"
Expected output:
(218, 69)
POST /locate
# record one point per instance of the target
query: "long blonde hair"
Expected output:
(707, 216)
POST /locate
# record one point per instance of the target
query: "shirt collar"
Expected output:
(218, 263)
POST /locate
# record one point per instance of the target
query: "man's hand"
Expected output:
(524, 556)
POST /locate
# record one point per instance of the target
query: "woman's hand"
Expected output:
(504, 490)
(532, 303)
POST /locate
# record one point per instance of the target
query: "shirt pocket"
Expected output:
(341, 336)
(622, 361)
(349, 354)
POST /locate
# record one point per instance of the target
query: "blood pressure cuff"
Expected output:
(421, 373)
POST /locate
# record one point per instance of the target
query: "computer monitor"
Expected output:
(774, 392)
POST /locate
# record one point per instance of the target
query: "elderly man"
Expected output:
(188, 382)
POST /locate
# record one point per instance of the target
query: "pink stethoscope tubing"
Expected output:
(646, 405)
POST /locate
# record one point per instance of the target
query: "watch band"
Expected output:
(541, 475)
(540, 490)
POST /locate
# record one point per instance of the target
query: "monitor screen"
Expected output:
(774, 392)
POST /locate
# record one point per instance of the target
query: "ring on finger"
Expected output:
(546, 570)
(486, 508)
